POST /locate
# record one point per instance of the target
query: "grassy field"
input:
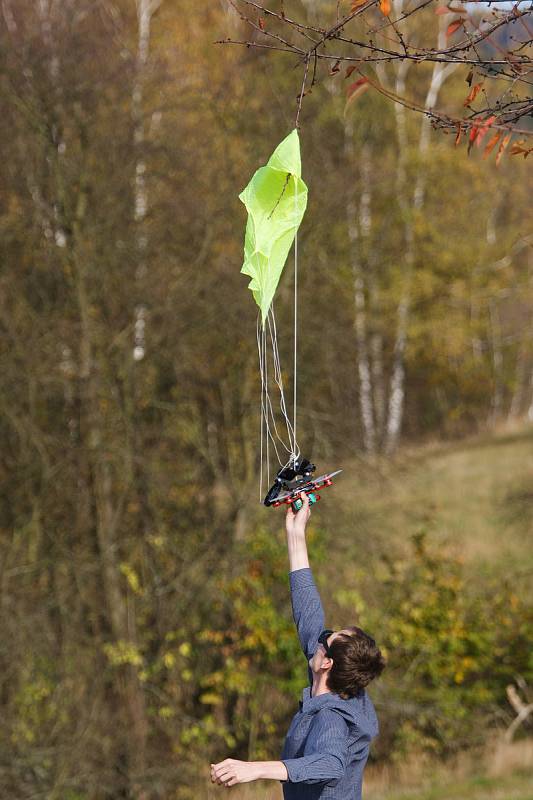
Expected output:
(509, 787)
(475, 496)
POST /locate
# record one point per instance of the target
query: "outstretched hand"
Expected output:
(231, 771)
(295, 522)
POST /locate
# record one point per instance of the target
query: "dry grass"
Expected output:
(498, 762)
(475, 495)
(502, 772)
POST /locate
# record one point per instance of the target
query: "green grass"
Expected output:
(475, 497)
(510, 787)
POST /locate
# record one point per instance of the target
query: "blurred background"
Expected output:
(146, 622)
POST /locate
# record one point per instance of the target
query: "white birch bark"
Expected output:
(497, 360)
(145, 11)
(375, 350)
(9, 17)
(363, 365)
(530, 409)
(517, 399)
(397, 381)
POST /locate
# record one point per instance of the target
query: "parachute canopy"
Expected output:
(275, 199)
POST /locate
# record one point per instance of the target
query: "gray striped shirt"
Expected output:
(328, 740)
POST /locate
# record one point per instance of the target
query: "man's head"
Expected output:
(348, 659)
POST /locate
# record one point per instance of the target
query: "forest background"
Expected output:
(146, 625)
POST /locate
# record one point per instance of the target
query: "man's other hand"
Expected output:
(295, 522)
(231, 771)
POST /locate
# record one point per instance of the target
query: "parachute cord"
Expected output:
(295, 374)
(292, 450)
(262, 425)
(267, 410)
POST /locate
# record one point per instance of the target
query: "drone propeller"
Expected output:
(291, 496)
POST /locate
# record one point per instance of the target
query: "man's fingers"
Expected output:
(224, 774)
(225, 771)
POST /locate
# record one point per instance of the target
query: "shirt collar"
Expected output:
(308, 703)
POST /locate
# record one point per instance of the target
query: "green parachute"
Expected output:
(276, 199)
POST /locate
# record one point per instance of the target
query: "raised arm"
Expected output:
(306, 605)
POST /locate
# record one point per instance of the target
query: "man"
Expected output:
(328, 741)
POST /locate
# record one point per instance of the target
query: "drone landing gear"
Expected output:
(291, 481)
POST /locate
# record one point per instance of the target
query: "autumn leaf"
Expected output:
(491, 143)
(357, 87)
(501, 149)
(453, 26)
(349, 70)
(472, 137)
(518, 149)
(335, 68)
(385, 7)
(459, 133)
(442, 10)
(473, 93)
(354, 90)
(483, 128)
(262, 23)
(357, 4)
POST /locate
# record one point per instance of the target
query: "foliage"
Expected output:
(258, 666)
(146, 621)
(453, 648)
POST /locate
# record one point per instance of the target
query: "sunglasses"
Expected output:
(323, 640)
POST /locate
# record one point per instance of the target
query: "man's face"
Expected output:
(320, 661)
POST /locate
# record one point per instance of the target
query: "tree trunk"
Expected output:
(363, 364)
(497, 361)
(408, 211)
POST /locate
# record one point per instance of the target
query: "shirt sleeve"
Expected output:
(307, 609)
(330, 753)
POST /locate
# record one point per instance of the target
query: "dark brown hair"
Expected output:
(356, 661)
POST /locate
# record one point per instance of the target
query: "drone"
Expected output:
(293, 479)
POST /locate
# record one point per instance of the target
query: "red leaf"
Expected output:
(354, 90)
(483, 129)
(262, 23)
(349, 70)
(501, 149)
(356, 4)
(385, 7)
(459, 132)
(491, 143)
(474, 91)
(472, 137)
(453, 26)
(355, 86)
(442, 10)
